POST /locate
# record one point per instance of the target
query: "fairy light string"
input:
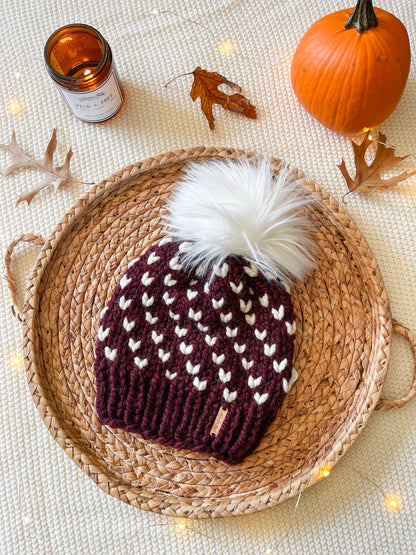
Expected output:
(290, 527)
(392, 502)
(155, 11)
(225, 46)
(179, 525)
(374, 139)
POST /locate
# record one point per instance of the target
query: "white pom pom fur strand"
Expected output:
(237, 208)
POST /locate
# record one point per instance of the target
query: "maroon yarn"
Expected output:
(173, 349)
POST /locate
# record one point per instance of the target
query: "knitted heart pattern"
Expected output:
(194, 363)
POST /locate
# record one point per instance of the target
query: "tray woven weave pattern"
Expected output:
(342, 348)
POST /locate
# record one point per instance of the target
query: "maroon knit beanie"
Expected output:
(198, 362)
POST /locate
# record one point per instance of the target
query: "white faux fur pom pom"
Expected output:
(227, 208)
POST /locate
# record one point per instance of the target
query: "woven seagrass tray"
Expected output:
(342, 347)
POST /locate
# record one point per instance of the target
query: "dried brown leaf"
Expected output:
(368, 176)
(205, 87)
(55, 175)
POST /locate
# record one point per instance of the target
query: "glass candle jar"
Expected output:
(79, 60)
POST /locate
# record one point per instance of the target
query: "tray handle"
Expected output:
(388, 404)
(26, 238)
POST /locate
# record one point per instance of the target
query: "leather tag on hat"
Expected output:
(219, 421)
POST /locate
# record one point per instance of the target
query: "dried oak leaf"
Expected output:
(55, 175)
(368, 177)
(205, 86)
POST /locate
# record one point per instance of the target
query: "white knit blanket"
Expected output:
(48, 505)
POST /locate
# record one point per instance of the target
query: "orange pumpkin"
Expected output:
(350, 69)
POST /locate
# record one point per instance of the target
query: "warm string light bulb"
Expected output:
(323, 472)
(392, 502)
(15, 107)
(181, 525)
(226, 47)
(16, 360)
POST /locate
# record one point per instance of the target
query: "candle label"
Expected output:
(98, 104)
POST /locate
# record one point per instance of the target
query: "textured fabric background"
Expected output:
(48, 505)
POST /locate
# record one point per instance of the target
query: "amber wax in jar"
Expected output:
(79, 60)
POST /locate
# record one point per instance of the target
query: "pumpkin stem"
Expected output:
(363, 17)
